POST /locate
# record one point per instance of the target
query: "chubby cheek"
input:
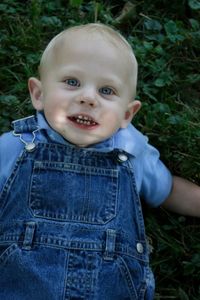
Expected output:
(112, 120)
(52, 115)
(53, 105)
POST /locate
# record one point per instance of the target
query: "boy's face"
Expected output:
(86, 91)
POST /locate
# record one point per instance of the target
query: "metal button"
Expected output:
(30, 147)
(140, 248)
(122, 157)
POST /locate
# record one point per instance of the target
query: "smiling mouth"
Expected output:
(83, 120)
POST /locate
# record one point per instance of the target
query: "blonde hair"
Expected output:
(113, 36)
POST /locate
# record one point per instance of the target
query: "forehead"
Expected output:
(84, 38)
(108, 49)
(93, 47)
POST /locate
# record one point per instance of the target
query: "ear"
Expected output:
(132, 110)
(35, 90)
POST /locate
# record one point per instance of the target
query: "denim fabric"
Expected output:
(72, 226)
(153, 180)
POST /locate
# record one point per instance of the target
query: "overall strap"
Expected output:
(25, 125)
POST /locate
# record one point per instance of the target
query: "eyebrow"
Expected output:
(112, 81)
(75, 71)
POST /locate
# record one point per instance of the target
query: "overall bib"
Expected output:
(71, 225)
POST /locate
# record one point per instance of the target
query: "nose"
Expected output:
(88, 98)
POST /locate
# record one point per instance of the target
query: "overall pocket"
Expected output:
(6, 252)
(38, 273)
(132, 272)
(74, 193)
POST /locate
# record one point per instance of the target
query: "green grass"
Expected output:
(166, 41)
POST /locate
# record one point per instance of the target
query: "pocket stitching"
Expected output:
(7, 253)
(108, 210)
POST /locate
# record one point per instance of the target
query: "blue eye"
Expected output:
(72, 82)
(106, 91)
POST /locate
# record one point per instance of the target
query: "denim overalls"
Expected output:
(71, 225)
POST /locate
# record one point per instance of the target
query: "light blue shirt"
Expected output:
(153, 179)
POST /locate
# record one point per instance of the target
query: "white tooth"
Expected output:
(85, 120)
